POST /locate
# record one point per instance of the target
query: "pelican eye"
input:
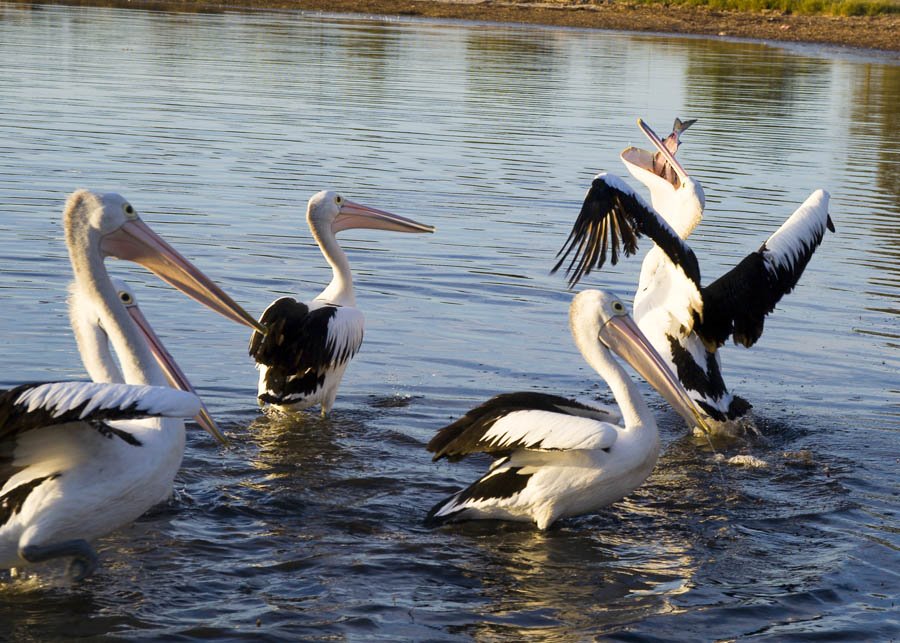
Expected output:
(125, 298)
(338, 199)
(619, 308)
(130, 212)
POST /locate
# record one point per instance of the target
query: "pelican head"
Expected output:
(106, 225)
(675, 195)
(174, 374)
(328, 210)
(601, 318)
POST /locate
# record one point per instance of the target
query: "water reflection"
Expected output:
(876, 116)
(305, 465)
(31, 610)
(598, 570)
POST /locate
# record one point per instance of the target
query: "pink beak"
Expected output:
(177, 378)
(663, 149)
(622, 335)
(355, 215)
(135, 241)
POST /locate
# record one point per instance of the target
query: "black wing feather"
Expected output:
(736, 304)
(294, 342)
(16, 418)
(614, 215)
(494, 484)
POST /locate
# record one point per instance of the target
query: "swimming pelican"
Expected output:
(556, 457)
(685, 321)
(63, 485)
(307, 348)
(54, 428)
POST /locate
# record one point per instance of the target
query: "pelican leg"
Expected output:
(84, 560)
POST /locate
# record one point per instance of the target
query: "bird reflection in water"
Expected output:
(328, 470)
(538, 584)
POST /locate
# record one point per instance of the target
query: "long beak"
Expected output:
(657, 142)
(355, 215)
(177, 378)
(135, 241)
(624, 337)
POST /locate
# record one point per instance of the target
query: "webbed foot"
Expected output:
(84, 559)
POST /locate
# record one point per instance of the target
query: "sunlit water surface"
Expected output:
(219, 127)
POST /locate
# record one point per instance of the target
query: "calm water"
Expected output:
(219, 127)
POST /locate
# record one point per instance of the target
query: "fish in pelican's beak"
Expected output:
(135, 241)
(675, 195)
(621, 334)
(671, 143)
(661, 166)
(177, 378)
(356, 215)
(667, 155)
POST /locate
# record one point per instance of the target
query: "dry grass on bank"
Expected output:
(799, 7)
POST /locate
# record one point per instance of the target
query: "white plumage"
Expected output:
(556, 457)
(789, 246)
(306, 349)
(685, 321)
(548, 431)
(80, 466)
(59, 398)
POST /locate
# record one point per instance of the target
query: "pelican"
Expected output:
(98, 360)
(52, 428)
(556, 457)
(685, 321)
(307, 348)
(66, 480)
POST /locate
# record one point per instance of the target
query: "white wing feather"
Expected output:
(60, 397)
(792, 240)
(546, 430)
(617, 183)
(345, 333)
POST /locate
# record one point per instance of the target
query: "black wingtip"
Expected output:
(432, 520)
(440, 441)
(830, 224)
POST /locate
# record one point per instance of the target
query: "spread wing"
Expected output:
(525, 421)
(737, 302)
(612, 218)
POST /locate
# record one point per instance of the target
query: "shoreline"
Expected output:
(860, 33)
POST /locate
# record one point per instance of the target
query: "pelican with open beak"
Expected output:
(685, 320)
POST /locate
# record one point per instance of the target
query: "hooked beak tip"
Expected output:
(702, 425)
